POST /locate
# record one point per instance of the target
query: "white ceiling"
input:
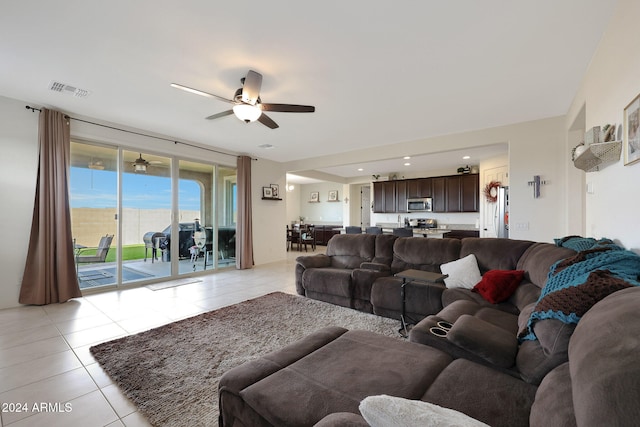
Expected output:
(378, 73)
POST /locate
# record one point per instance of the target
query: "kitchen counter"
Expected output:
(437, 233)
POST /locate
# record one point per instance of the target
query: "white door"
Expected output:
(489, 210)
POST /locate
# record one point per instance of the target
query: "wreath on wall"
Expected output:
(491, 191)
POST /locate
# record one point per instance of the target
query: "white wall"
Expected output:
(18, 166)
(269, 216)
(324, 212)
(610, 84)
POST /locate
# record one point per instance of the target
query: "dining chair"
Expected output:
(352, 229)
(373, 230)
(309, 237)
(403, 232)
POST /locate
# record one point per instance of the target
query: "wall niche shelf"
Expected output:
(597, 156)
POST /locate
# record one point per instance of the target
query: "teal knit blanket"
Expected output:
(575, 284)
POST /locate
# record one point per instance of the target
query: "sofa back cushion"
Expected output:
(351, 250)
(536, 358)
(538, 259)
(420, 253)
(494, 254)
(384, 248)
(603, 361)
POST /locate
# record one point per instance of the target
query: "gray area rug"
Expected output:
(171, 373)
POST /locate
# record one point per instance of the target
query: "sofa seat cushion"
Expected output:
(450, 296)
(338, 376)
(495, 398)
(333, 281)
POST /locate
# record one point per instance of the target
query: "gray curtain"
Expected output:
(244, 233)
(50, 273)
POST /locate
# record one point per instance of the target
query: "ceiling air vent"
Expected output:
(68, 89)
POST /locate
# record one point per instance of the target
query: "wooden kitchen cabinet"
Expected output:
(401, 195)
(470, 193)
(452, 189)
(384, 197)
(455, 193)
(439, 194)
(462, 193)
(420, 187)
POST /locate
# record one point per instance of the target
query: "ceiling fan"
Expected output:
(247, 105)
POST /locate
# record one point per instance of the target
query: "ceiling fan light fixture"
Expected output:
(140, 165)
(246, 112)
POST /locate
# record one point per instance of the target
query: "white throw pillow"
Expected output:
(388, 411)
(463, 272)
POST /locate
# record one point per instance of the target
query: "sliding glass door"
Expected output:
(153, 217)
(145, 216)
(196, 216)
(94, 209)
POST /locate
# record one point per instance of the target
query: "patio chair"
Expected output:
(100, 254)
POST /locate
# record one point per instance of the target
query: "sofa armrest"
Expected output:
(314, 261)
(485, 340)
(376, 266)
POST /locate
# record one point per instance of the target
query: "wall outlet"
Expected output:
(522, 226)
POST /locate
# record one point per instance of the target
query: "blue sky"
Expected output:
(91, 188)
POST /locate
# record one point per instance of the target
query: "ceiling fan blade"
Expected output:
(200, 92)
(251, 87)
(266, 120)
(288, 108)
(222, 114)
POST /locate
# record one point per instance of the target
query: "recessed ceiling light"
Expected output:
(466, 157)
(407, 164)
(265, 146)
(360, 169)
(406, 157)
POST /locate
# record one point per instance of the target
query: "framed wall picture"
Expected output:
(267, 193)
(631, 144)
(314, 196)
(333, 195)
(275, 190)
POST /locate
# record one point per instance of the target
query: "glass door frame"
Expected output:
(174, 244)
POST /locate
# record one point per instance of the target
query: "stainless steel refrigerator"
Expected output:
(502, 213)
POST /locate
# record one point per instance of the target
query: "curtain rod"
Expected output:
(33, 110)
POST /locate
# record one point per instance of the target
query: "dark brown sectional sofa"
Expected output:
(586, 375)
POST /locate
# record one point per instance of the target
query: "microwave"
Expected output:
(421, 204)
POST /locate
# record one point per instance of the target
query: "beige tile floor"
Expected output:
(44, 351)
